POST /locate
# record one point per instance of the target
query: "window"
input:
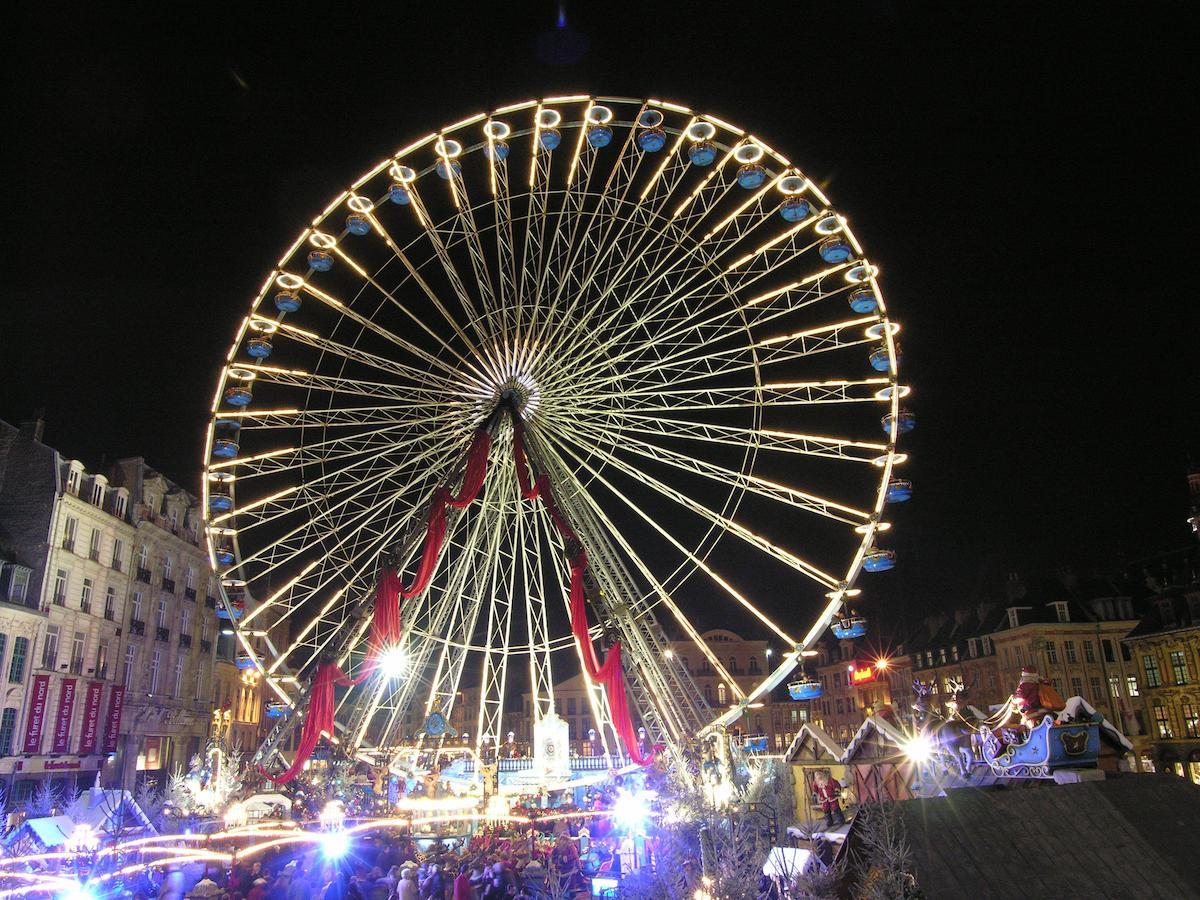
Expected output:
(954, 652)
(16, 668)
(94, 545)
(77, 644)
(1162, 721)
(110, 603)
(941, 656)
(168, 566)
(85, 595)
(1014, 620)
(128, 668)
(8, 725)
(973, 647)
(74, 476)
(120, 505)
(570, 706)
(1089, 652)
(155, 665)
(177, 684)
(162, 612)
(1058, 685)
(708, 698)
(987, 646)
(1131, 686)
(199, 682)
(185, 622)
(1109, 655)
(1069, 650)
(60, 587)
(754, 665)
(1094, 681)
(1051, 653)
(189, 578)
(1153, 679)
(69, 528)
(137, 607)
(1061, 612)
(721, 693)
(1114, 687)
(50, 648)
(1179, 667)
(841, 708)
(143, 557)
(1076, 687)
(118, 557)
(1191, 720)
(97, 492)
(20, 585)
(205, 629)
(102, 660)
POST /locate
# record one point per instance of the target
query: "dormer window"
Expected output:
(121, 503)
(972, 647)
(1062, 612)
(99, 489)
(74, 477)
(1014, 618)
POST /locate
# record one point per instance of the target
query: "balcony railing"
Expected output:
(109, 613)
(60, 599)
(189, 594)
(143, 575)
(76, 666)
(205, 646)
(102, 673)
(210, 601)
(162, 634)
(168, 584)
(94, 554)
(69, 543)
(185, 640)
(117, 565)
(85, 606)
(137, 626)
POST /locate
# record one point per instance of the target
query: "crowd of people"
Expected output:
(490, 865)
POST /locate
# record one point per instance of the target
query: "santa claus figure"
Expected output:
(829, 795)
(1027, 698)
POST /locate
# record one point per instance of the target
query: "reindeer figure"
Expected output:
(953, 739)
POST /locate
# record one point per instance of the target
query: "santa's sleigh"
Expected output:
(1049, 746)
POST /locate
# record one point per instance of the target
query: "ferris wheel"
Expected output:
(663, 315)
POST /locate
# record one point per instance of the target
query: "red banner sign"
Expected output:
(37, 714)
(115, 702)
(863, 675)
(62, 724)
(91, 717)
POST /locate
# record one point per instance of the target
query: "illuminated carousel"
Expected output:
(539, 397)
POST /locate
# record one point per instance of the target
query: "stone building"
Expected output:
(116, 674)
(1165, 648)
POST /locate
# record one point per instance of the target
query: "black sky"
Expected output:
(1019, 171)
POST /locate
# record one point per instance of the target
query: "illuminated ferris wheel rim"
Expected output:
(482, 376)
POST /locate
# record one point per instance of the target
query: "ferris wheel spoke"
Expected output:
(751, 438)
(397, 436)
(799, 393)
(762, 487)
(728, 525)
(358, 387)
(373, 360)
(344, 310)
(510, 297)
(287, 418)
(692, 557)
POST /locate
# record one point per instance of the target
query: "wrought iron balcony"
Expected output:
(205, 646)
(185, 640)
(143, 575)
(168, 584)
(162, 634)
(137, 626)
(189, 594)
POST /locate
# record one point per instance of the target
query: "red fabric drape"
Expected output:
(609, 673)
(319, 719)
(435, 527)
(528, 491)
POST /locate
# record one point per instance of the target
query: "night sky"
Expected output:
(1018, 174)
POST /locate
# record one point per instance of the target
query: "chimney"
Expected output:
(34, 429)
(1015, 588)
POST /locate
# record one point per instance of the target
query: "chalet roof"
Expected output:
(1126, 836)
(818, 736)
(873, 725)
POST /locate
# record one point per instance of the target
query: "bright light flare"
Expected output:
(882, 664)
(79, 892)
(631, 812)
(919, 748)
(393, 662)
(335, 845)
